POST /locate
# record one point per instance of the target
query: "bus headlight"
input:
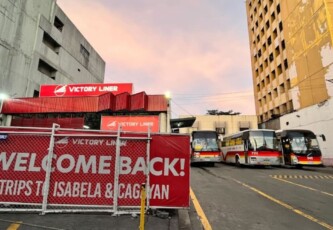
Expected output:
(196, 154)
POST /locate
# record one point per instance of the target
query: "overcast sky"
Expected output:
(196, 49)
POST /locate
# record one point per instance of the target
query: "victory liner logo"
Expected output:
(60, 90)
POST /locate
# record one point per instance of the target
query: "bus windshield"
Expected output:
(303, 142)
(263, 140)
(204, 141)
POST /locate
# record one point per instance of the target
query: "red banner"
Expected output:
(71, 90)
(134, 123)
(83, 170)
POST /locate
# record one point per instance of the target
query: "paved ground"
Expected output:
(176, 220)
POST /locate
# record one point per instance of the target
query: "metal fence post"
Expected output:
(116, 174)
(46, 186)
(148, 168)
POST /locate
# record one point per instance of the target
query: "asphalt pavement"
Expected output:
(162, 220)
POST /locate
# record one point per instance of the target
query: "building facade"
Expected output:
(223, 124)
(292, 56)
(40, 45)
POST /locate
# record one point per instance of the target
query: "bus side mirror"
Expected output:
(323, 137)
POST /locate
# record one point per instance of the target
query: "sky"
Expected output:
(197, 50)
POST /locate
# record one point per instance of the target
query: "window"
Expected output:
(285, 64)
(271, 57)
(264, 47)
(283, 108)
(84, 52)
(282, 88)
(280, 26)
(288, 84)
(46, 69)
(269, 40)
(220, 130)
(277, 51)
(267, 24)
(274, 33)
(275, 93)
(51, 43)
(283, 45)
(279, 69)
(36, 93)
(273, 74)
(268, 80)
(58, 24)
(278, 10)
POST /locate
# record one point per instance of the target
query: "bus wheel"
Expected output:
(237, 163)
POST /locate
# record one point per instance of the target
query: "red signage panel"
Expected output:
(130, 123)
(70, 90)
(83, 170)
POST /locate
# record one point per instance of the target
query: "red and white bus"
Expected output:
(252, 147)
(204, 147)
(300, 147)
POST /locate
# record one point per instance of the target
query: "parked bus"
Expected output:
(252, 147)
(299, 147)
(204, 145)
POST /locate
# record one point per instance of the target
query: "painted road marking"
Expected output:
(14, 226)
(303, 186)
(302, 176)
(299, 212)
(201, 214)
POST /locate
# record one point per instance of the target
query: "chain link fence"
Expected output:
(66, 170)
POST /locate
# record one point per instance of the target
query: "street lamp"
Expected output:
(3, 97)
(168, 97)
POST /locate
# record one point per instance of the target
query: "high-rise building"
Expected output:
(291, 54)
(292, 65)
(40, 45)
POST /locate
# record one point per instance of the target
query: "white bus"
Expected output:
(252, 147)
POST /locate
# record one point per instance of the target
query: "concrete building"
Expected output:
(40, 45)
(223, 124)
(291, 54)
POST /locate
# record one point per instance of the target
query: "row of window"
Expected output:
(277, 111)
(271, 76)
(282, 88)
(264, 8)
(53, 45)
